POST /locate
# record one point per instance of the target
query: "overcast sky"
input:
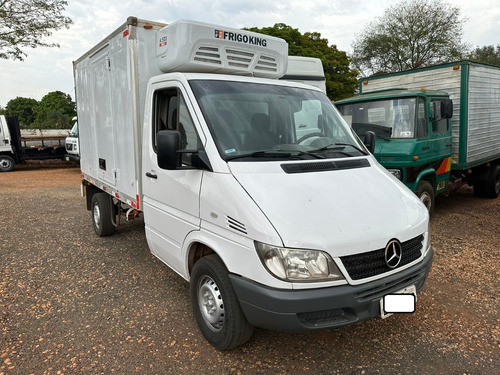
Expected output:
(339, 21)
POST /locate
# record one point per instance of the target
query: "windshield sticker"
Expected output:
(230, 151)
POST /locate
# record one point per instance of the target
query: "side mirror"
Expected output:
(446, 108)
(370, 141)
(167, 146)
(199, 160)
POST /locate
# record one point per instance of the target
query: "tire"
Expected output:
(493, 184)
(102, 210)
(426, 194)
(6, 163)
(490, 187)
(215, 305)
(480, 189)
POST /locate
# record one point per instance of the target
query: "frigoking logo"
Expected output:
(241, 38)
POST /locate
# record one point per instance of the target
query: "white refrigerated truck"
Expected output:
(188, 125)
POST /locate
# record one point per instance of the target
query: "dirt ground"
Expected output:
(73, 303)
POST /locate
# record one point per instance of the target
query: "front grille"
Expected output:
(364, 265)
(416, 278)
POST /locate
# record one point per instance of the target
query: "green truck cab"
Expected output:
(436, 128)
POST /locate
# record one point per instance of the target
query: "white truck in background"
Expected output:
(189, 125)
(19, 145)
(72, 144)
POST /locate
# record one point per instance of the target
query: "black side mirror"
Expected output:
(446, 108)
(167, 146)
(199, 160)
(370, 141)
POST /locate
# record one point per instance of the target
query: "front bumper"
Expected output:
(315, 309)
(72, 157)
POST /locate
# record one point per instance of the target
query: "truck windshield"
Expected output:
(74, 131)
(252, 121)
(392, 118)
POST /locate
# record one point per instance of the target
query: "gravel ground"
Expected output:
(72, 303)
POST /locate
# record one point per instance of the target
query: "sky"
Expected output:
(340, 21)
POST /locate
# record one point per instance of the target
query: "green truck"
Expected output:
(436, 128)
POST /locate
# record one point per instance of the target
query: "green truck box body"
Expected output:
(475, 91)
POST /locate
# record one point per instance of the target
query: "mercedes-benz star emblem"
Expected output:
(393, 253)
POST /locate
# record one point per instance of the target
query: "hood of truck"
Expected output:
(341, 211)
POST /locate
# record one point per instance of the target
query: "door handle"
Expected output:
(151, 175)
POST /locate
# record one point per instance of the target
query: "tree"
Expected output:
(340, 78)
(24, 24)
(24, 109)
(410, 35)
(55, 111)
(486, 55)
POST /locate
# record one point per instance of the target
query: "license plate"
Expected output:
(402, 301)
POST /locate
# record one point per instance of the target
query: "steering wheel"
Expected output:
(307, 136)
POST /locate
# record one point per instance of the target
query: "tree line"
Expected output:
(410, 34)
(54, 111)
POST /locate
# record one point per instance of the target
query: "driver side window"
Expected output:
(171, 113)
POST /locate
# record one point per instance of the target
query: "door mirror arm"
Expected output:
(169, 154)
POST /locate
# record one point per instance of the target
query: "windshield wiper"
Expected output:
(311, 153)
(262, 154)
(339, 147)
(353, 146)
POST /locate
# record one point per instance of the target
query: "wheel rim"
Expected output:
(97, 215)
(5, 163)
(211, 304)
(426, 200)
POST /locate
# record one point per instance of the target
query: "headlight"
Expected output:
(298, 264)
(396, 173)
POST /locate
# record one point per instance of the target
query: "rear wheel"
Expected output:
(6, 163)
(493, 184)
(102, 209)
(489, 187)
(425, 193)
(215, 305)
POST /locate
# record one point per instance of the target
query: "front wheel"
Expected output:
(215, 305)
(425, 193)
(6, 163)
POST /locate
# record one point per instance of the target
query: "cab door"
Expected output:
(171, 202)
(440, 143)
